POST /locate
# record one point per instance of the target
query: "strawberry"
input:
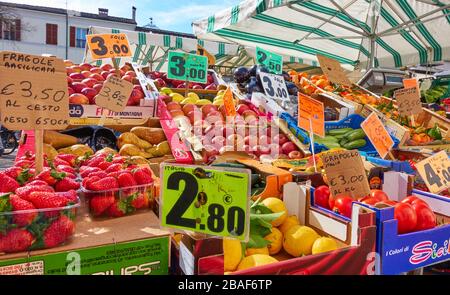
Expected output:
(142, 176)
(24, 163)
(114, 174)
(125, 179)
(58, 231)
(101, 203)
(71, 159)
(113, 168)
(19, 174)
(8, 184)
(47, 200)
(86, 170)
(66, 168)
(50, 176)
(107, 183)
(95, 161)
(70, 175)
(37, 182)
(118, 209)
(139, 200)
(25, 191)
(118, 160)
(132, 167)
(71, 195)
(104, 165)
(87, 182)
(18, 204)
(101, 174)
(16, 240)
(57, 162)
(66, 184)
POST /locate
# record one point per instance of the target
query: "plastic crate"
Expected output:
(353, 121)
(120, 201)
(398, 166)
(442, 81)
(36, 229)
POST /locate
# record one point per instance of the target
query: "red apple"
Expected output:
(90, 93)
(85, 66)
(264, 140)
(194, 115)
(206, 109)
(197, 87)
(295, 155)
(227, 130)
(98, 87)
(77, 76)
(78, 98)
(69, 71)
(176, 113)
(104, 74)
(76, 69)
(165, 98)
(125, 68)
(110, 75)
(190, 107)
(95, 70)
(242, 108)
(71, 91)
(235, 140)
(246, 148)
(288, 147)
(280, 139)
(69, 80)
(210, 79)
(218, 141)
(138, 87)
(173, 105)
(90, 82)
(128, 78)
(78, 86)
(211, 87)
(159, 82)
(130, 73)
(106, 67)
(97, 77)
(214, 117)
(86, 73)
(136, 96)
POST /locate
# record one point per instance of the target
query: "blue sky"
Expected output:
(175, 15)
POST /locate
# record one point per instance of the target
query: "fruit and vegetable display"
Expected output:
(162, 81)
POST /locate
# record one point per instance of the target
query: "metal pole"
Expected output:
(371, 63)
(67, 32)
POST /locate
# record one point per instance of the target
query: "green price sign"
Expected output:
(213, 201)
(272, 61)
(190, 67)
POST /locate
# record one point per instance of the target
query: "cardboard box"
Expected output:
(117, 246)
(345, 109)
(193, 247)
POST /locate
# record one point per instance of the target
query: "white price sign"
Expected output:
(274, 86)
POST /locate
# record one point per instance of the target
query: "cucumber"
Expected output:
(339, 137)
(339, 131)
(343, 141)
(332, 145)
(355, 144)
(355, 134)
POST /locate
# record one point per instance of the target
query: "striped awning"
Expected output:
(398, 32)
(151, 49)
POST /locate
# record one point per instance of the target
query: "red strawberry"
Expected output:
(104, 165)
(107, 183)
(125, 179)
(37, 182)
(142, 176)
(58, 161)
(25, 191)
(95, 161)
(101, 174)
(19, 174)
(66, 168)
(24, 163)
(114, 174)
(101, 203)
(47, 200)
(66, 184)
(139, 200)
(86, 170)
(118, 160)
(71, 159)
(18, 204)
(114, 167)
(87, 182)
(16, 240)
(70, 175)
(69, 195)
(132, 167)
(58, 232)
(8, 184)
(50, 176)
(117, 209)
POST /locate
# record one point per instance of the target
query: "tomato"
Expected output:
(379, 194)
(331, 200)
(413, 200)
(343, 205)
(369, 200)
(425, 216)
(388, 202)
(406, 217)
(321, 196)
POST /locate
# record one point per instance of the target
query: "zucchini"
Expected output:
(343, 141)
(339, 131)
(355, 134)
(332, 145)
(355, 144)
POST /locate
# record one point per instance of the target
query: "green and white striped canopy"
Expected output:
(151, 49)
(398, 32)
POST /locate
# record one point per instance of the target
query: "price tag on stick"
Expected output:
(273, 62)
(311, 114)
(346, 174)
(378, 135)
(108, 45)
(228, 102)
(274, 86)
(408, 101)
(435, 171)
(114, 94)
(202, 199)
(188, 67)
(333, 70)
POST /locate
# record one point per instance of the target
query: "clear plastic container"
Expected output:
(119, 202)
(37, 228)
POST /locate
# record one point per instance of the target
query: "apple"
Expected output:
(86, 74)
(97, 77)
(90, 93)
(236, 140)
(135, 81)
(211, 87)
(95, 70)
(176, 113)
(190, 107)
(126, 68)
(247, 148)
(98, 87)
(249, 113)
(213, 117)
(250, 140)
(165, 98)
(259, 150)
(280, 139)
(78, 98)
(69, 80)
(264, 140)
(295, 155)
(76, 69)
(104, 74)
(68, 63)
(288, 147)
(227, 130)
(90, 82)
(218, 141)
(227, 148)
(274, 148)
(77, 76)
(85, 66)
(69, 71)
(110, 75)
(128, 78)
(78, 86)
(266, 131)
(106, 67)
(197, 87)
(242, 108)
(159, 82)
(194, 115)
(173, 106)
(206, 109)
(71, 91)
(130, 73)
(136, 96)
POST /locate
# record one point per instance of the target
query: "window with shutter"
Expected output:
(18, 30)
(72, 36)
(52, 34)
(1, 29)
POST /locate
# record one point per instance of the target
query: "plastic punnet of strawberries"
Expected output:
(37, 211)
(113, 187)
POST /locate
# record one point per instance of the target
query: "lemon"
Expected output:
(276, 205)
(232, 252)
(193, 95)
(324, 244)
(176, 97)
(218, 102)
(276, 241)
(251, 251)
(203, 102)
(188, 100)
(256, 260)
(299, 240)
(289, 222)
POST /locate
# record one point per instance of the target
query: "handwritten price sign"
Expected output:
(408, 101)
(311, 109)
(377, 134)
(33, 92)
(114, 94)
(435, 171)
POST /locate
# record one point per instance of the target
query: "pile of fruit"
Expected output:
(85, 81)
(272, 231)
(144, 142)
(160, 79)
(168, 95)
(37, 210)
(412, 213)
(114, 186)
